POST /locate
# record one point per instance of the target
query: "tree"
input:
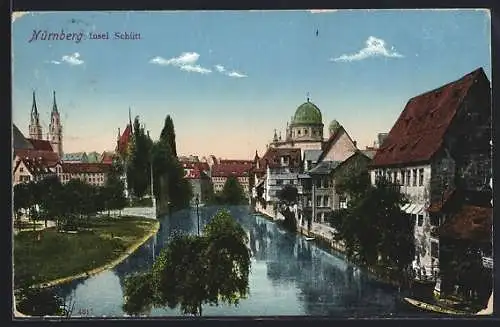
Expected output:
(288, 195)
(21, 198)
(138, 169)
(176, 189)
(195, 270)
(168, 135)
(39, 302)
(373, 227)
(232, 192)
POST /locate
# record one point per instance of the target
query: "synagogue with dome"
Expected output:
(304, 131)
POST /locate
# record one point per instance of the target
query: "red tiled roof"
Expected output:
(469, 223)
(235, 162)
(50, 158)
(35, 166)
(124, 139)
(80, 167)
(272, 158)
(418, 133)
(193, 174)
(107, 157)
(203, 166)
(226, 170)
(41, 145)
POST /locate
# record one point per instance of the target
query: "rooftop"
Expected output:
(42, 145)
(306, 114)
(324, 168)
(86, 167)
(419, 131)
(312, 155)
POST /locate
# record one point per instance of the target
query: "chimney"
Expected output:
(355, 143)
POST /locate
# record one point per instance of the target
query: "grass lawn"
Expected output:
(57, 254)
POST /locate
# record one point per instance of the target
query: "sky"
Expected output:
(229, 78)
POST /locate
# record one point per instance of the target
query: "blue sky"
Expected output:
(228, 79)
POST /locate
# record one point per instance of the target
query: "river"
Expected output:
(289, 276)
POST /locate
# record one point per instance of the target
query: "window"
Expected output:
(434, 250)
(414, 177)
(326, 201)
(342, 202)
(420, 220)
(420, 177)
(403, 177)
(394, 176)
(408, 177)
(318, 183)
(318, 201)
(305, 131)
(279, 182)
(21, 169)
(434, 220)
(298, 132)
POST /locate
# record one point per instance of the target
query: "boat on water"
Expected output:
(427, 307)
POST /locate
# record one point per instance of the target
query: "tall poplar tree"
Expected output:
(168, 134)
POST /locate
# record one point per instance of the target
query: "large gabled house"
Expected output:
(280, 167)
(439, 144)
(317, 196)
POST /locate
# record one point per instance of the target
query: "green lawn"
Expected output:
(58, 255)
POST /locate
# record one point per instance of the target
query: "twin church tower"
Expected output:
(54, 135)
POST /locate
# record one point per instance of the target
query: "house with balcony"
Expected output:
(438, 147)
(319, 194)
(278, 167)
(316, 191)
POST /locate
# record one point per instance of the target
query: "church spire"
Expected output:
(34, 127)
(54, 105)
(130, 120)
(34, 109)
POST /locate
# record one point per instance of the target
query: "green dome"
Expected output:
(307, 113)
(334, 126)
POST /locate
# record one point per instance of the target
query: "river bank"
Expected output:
(39, 256)
(154, 229)
(324, 235)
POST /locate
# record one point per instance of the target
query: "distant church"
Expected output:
(54, 136)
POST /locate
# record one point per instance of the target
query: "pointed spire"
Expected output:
(54, 105)
(129, 116)
(34, 109)
(307, 96)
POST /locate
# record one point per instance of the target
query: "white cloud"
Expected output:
(221, 69)
(186, 62)
(322, 11)
(374, 48)
(72, 59)
(236, 75)
(195, 69)
(55, 62)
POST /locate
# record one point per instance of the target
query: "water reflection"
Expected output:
(289, 276)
